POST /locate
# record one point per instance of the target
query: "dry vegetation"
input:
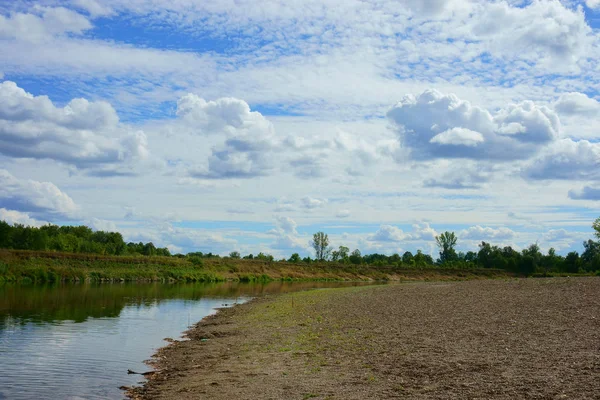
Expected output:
(47, 266)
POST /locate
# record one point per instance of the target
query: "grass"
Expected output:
(47, 267)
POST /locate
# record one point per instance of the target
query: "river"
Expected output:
(77, 341)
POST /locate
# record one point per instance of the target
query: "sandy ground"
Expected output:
(516, 339)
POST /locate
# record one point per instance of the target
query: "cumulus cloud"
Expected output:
(458, 137)
(568, 160)
(225, 115)
(435, 125)
(164, 233)
(250, 137)
(17, 217)
(286, 225)
(593, 4)
(80, 134)
(543, 30)
(287, 237)
(486, 233)
(40, 199)
(42, 23)
(562, 239)
(389, 233)
(586, 193)
(577, 104)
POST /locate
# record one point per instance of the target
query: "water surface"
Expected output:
(78, 341)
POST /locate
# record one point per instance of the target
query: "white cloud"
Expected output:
(94, 8)
(38, 198)
(458, 137)
(225, 115)
(388, 233)
(287, 237)
(568, 160)
(437, 125)
(286, 225)
(312, 203)
(543, 30)
(17, 217)
(343, 214)
(80, 134)
(593, 4)
(42, 24)
(250, 137)
(586, 193)
(102, 225)
(577, 104)
(486, 233)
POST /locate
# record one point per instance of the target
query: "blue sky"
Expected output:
(220, 126)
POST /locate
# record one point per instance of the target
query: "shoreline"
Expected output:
(201, 331)
(424, 340)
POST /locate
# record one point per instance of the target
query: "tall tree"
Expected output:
(320, 243)
(596, 226)
(446, 242)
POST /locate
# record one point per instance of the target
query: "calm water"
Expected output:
(78, 341)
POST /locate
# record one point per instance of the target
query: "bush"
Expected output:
(196, 261)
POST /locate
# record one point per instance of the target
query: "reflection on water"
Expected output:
(78, 341)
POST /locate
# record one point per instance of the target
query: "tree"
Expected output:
(596, 226)
(572, 262)
(294, 258)
(320, 243)
(422, 259)
(149, 249)
(407, 257)
(356, 257)
(341, 254)
(234, 254)
(446, 242)
(591, 255)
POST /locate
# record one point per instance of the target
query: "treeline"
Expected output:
(82, 239)
(525, 262)
(72, 239)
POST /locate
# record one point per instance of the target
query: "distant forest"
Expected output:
(82, 239)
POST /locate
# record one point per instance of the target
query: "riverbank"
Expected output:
(505, 339)
(47, 267)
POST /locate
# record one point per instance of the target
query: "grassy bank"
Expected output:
(43, 267)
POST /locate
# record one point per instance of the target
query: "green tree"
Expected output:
(294, 258)
(572, 262)
(421, 259)
(407, 257)
(596, 226)
(234, 255)
(356, 257)
(341, 254)
(446, 242)
(320, 243)
(5, 235)
(149, 249)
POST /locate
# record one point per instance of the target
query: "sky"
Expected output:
(244, 125)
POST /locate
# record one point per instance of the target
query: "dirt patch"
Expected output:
(531, 338)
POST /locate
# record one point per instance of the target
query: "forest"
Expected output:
(528, 261)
